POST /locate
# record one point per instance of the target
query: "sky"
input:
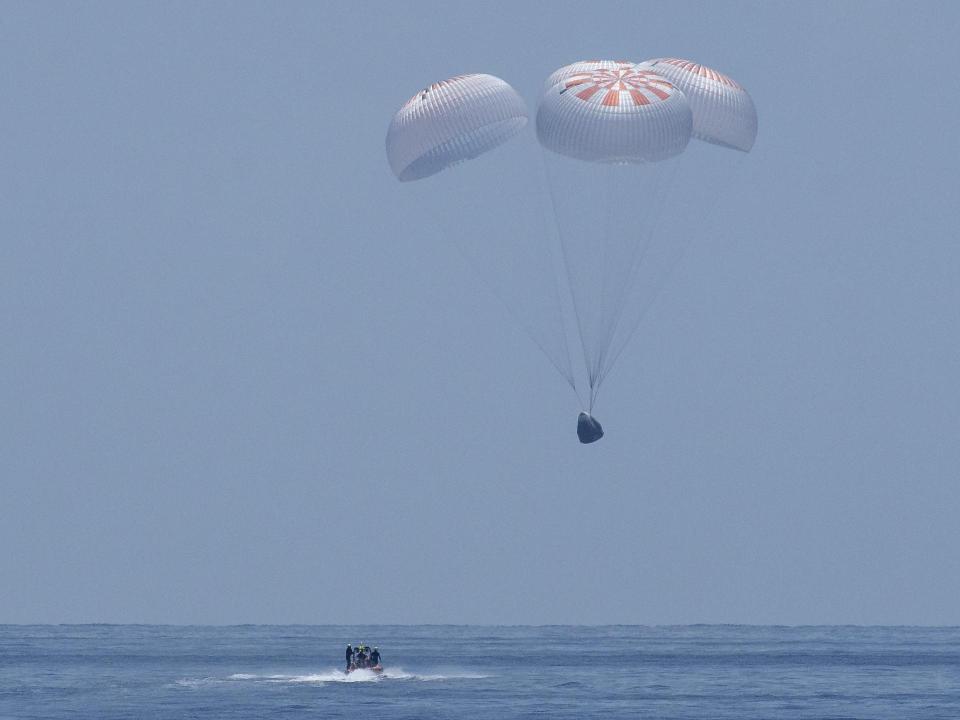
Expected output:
(245, 377)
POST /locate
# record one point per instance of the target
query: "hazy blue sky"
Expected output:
(230, 337)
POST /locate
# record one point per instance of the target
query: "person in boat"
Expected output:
(375, 657)
(349, 656)
(361, 658)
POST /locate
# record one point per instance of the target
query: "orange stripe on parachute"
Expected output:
(588, 93)
(612, 99)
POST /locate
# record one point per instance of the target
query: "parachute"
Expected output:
(611, 127)
(584, 66)
(452, 121)
(619, 115)
(613, 135)
(458, 120)
(723, 111)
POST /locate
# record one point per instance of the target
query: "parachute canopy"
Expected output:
(451, 121)
(582, 66)
(613, 113)
(614, 129)
(723, 112)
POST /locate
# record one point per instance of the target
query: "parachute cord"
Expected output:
(635, 263)
(706, 211)
(658, 286)
(604, 254)
(571, 379)
(640, 253)
(577, 393)
(615, 298)
(528, 331)
(566, 260)
(567, 374)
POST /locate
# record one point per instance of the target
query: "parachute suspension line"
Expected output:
(566, 260)
(635, 263)
(639, 252)
(657, 287)
(657, 284)
(549, 228)
(703, 212)
(605, 251)
(606, 240)
(514, 313)
(528, 331)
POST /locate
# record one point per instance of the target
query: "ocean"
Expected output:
(495, 673)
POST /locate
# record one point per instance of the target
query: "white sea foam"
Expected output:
(335, 676)
(195, 682)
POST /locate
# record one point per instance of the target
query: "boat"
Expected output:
(373, 668)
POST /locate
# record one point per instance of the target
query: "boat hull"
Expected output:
(375, 669)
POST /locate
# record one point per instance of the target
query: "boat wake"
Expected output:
(332, 676)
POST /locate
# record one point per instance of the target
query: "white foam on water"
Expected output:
(448, 675)
(195, 682)
(335, 676)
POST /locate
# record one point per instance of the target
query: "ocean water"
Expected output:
(743, 672)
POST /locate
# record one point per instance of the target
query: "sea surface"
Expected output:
(699, 671)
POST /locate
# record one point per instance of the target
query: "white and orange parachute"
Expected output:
(723, 112)
(613, 133)
(618, 113)
(582, 66)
